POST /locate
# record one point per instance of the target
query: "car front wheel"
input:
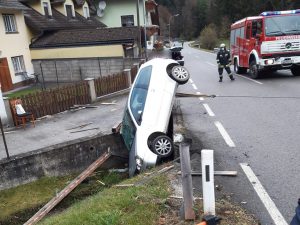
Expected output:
(162, 146)
(295, 70)
(180, 74)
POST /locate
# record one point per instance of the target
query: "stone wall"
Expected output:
(70, 70)
(62, 159)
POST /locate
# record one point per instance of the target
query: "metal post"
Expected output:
(56, 73)
(145, 30)
(42, 73)
(139, 27)
(207, 162)
(187, 185)
(4, 141)
(170, 26)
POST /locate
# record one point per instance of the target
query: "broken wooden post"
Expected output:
(61, 195)
(92, 89)
(127, 73)
(208, 187)
(187, 185)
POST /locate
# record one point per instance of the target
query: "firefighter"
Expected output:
(296, 219)
(223, 60)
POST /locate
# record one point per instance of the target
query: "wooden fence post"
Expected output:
(127, 73)
(92, 89)
(187, 185)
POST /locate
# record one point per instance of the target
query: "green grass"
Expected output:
(133, 205)
(18, 204)
(26, 91)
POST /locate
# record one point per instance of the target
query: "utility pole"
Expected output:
(4, 141)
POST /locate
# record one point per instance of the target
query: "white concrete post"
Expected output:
(3, 113)
(92, 89)
(208, 186)
(128, 75)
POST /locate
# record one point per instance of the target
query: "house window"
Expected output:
(18, 63)
(127, 21)
(86, 12)
(10, 23)
(46, 9)
(69, 10)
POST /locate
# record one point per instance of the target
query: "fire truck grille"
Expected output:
(280, 46)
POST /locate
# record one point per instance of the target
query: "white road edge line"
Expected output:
(248, 79)
(194, 86)
(191, 81)
(224, 134)
(208, 109)
(263, 195)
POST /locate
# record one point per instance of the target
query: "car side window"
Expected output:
(139, 93)
(128, 130)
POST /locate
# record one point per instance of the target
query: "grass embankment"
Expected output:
(148, 203)
(18, 204)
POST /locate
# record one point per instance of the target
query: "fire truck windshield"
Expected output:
(282, 25)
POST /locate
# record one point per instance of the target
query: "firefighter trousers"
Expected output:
(227, 68)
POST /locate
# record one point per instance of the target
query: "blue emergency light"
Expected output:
(271, 13)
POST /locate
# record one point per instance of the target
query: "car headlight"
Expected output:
(139, 163)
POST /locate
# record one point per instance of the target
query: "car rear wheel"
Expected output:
(162, 146)
(180, 74)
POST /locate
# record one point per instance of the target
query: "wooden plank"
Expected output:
(187, 185)
(61, 195)
(216, 173)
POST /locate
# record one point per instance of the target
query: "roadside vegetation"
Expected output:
(98, 201)
(19, 93)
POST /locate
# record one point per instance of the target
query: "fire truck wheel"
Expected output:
(253, 70)
(295, 70)
(238, 69)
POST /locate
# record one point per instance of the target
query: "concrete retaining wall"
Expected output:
(62, 159)
(69, 70)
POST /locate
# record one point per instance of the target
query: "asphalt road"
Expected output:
(262, 120)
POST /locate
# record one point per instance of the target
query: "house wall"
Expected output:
(80, 10)
(116, 8)
(62, 8)
(70, 70)
(78, 52)
(38, 6)
(15, 44)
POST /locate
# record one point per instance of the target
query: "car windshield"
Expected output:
(139, 93)
(282, 25)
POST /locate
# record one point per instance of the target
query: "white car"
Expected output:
(145, 126)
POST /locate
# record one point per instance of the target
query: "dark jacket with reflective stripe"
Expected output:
(296, 219)
(223, 57)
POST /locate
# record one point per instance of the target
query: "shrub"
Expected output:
(208, 37)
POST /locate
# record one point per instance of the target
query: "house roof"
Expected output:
(11, 4)
(85, 37)
(58, 21)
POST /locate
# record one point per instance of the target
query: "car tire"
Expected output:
(180, 74)
(295, 70)
(162, 146)
(253, 70)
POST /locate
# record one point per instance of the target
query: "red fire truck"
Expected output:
(266, 43)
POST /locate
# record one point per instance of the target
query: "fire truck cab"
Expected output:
(266, 43)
